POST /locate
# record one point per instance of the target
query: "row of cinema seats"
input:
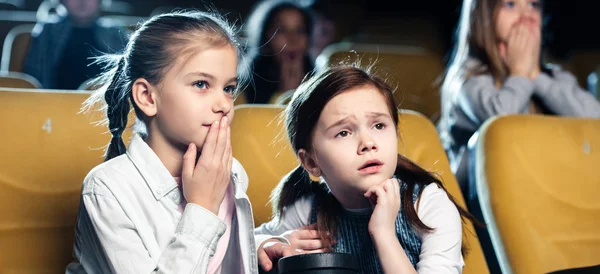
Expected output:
(47, 153)
(535, 177)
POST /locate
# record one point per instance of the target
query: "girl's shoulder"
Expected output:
(115, 172)
(435, 202)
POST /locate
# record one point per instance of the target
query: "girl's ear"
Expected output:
(309, 163)
(144, 95)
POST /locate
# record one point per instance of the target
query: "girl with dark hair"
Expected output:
(174, 201)
(278, 34)
(371, 202)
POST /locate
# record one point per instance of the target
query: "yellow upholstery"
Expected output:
(412, 70)
(17, 80)
(260, 143)
(240, 99)
(16, 45)
(538, 187)
(47, 149)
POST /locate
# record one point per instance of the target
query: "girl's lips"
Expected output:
(370, 169)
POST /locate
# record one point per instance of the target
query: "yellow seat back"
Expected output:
(47, 149)
(260, 143)
(537, 183)
(412, 70)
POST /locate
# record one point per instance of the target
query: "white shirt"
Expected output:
(129, 221)
(440, 249)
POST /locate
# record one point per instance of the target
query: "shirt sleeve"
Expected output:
(480, 99)
(440, 248)
(563, 96)
(295, 216)
(190, 248)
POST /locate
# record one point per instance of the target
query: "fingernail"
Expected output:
(216, 123)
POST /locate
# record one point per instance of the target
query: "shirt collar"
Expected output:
(157, 177)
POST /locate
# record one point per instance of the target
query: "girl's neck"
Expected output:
(169, 154)
(353, 201)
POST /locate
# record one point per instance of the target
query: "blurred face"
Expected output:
(194, 93)
(513, 12)
(289, 37)
(323, 34)
(82, 10)
(355, 144)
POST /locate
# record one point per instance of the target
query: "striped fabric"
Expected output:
(353, 236)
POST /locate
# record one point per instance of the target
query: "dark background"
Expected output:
(572, 24)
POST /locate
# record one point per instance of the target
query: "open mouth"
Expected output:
(371, 166)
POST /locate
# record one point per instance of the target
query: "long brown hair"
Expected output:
(475, 52)
(301, 116)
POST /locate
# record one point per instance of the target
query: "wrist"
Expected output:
(383, 233)
(271, 240)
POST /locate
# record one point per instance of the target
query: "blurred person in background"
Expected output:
(61, 55)
(497, 68)
(324, 30)
(279, 38)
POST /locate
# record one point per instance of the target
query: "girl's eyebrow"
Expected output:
(347, 119)
(374, 114)
(339, 122)
(210, 77)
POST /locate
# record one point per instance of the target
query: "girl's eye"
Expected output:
(536, 4)
(509, 4)
(201, 84)
(342, 134)
(379, 126)
(230, 89)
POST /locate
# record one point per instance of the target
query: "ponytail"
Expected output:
(298, 184)
(117, 110)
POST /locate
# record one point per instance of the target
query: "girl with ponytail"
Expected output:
(371, 202)
(174, 200)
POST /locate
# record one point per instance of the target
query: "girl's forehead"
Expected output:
(356, 101)
(216, 61)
